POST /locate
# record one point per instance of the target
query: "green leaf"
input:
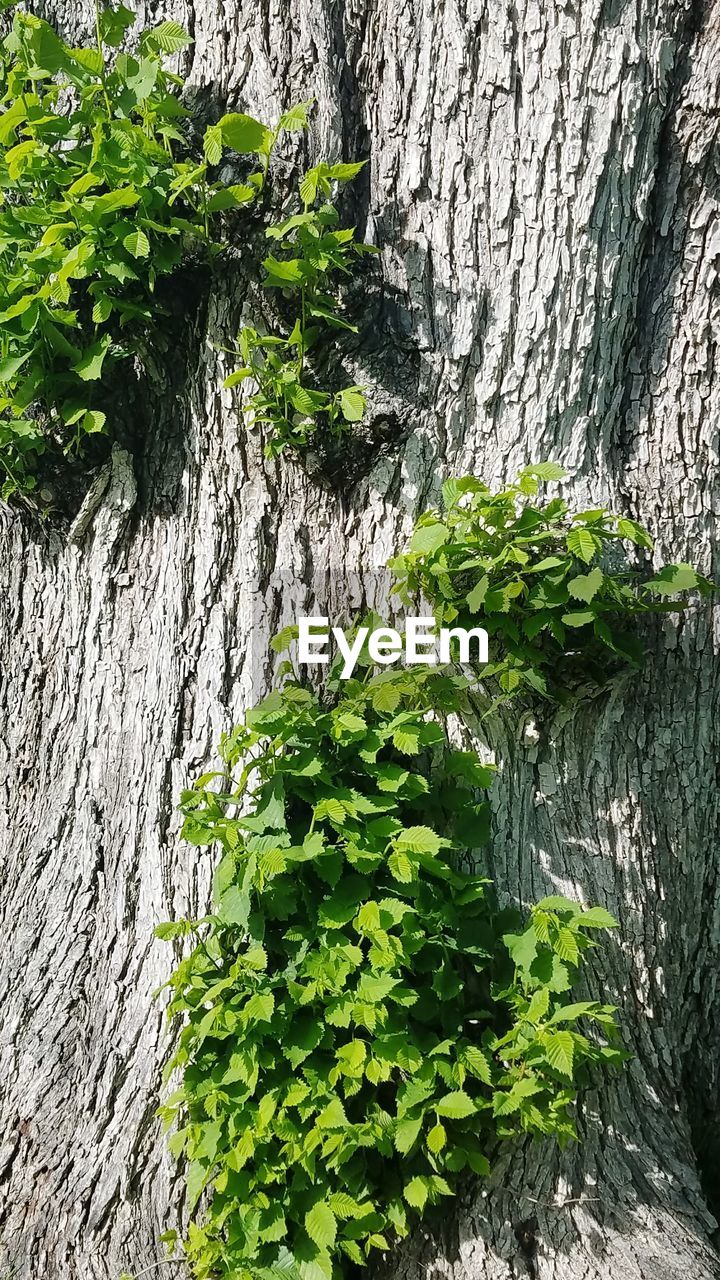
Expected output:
(102, 309)
(578, 619)
(137, 244)
(419, 840)
(309, 187)
(635, 533)
(416, 1193)
(476, 1062)
(169, 37)
(213, 144)
(566, 946)
(406, 1134)
(559, 1050)
(233, 197)
(296, 119)
(282, 274)
(428, 538)
(93, 422)
(115, 21)
(238, 376)
(195, 1181)
(673, 579)
(456, 1106)
(90, 365)
(436, 1139)
(586, 586)
(242, 133)
(235, 905)
(478, 593)
(401, 868)
(571, 1012)
(12, 365)
(352, 404)
(597, 918)
(546, 471)
(522, 947)
(321, 1225)
(344, 172)
(583, 544)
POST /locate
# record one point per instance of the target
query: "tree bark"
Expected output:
(543, 183)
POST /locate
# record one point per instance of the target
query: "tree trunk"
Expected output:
(543, 182)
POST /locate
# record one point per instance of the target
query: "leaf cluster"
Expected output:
(541, 580)
(361, 1023)
(100, 195)
(310, 251)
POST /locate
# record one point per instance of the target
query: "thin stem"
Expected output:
(206, 219)
(267, 157)
(98, 37)
(301, 344)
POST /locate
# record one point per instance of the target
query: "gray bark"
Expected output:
(544, 187)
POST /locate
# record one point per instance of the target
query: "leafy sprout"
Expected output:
(310, 252)
(548, 585)
(101, 194)
(361, 1024)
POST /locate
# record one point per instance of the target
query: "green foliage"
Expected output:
(360, 1022)
(538, 578)
(310, 249)
(101, 195)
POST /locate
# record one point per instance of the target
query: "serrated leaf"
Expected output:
(565, 945)
(586, 586)
(559, 1050)
(90, 365)
(213, 144)
(296, 118)
(93, 421)
(583, 544)
(596, 918)
(401, 868)
(635, 533)
(436, 1139)
(352, 404)
(345, 172)
(321, 1225)
(429, 537)
(419, 840)
(330, 808)
(475, 1061)
(137, 244)
(546, 471)
(456, 1106)
(406, 1134)
(169, 37)
(416, 1193)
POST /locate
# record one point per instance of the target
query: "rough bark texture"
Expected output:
(544, 184)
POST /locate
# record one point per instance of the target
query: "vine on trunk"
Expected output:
(361, 1022)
